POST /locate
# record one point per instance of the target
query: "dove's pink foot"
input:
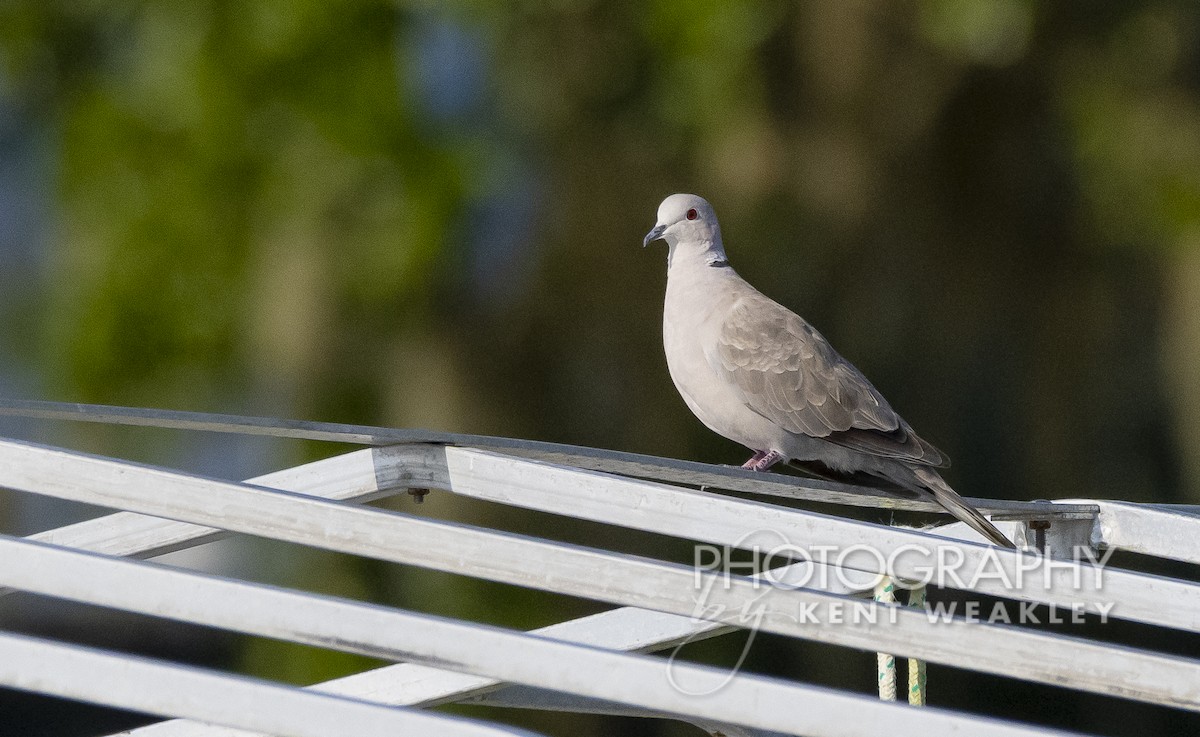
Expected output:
(762, 460)
(758, 456)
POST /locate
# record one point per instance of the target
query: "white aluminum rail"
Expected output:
(599, 575)
(642, 505)
(360, 476)
(366, 475)
(627, 464)
(659, 597)
(153, 687)
(1160, 530)
(146, 588)
(410, 684)
(718, 519)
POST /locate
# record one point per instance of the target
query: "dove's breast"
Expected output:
(697, 301)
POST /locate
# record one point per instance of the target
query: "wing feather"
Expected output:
(786, 371)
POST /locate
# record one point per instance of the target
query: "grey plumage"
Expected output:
(757, 373)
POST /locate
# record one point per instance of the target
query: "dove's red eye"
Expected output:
(691, 214)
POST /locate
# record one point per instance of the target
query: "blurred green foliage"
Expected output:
(419, 214)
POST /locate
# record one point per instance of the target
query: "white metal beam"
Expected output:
(523, 697)
(629, 464)
(322, 621)
(625, 629)
(604, 576)
(360, 476)
(714, 518)
(1165, 531)
(162, 689)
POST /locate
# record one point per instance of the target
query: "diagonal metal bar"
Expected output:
(709, 518)
(163, 689)
(323, 621)
(1161, 530)
(907, 554)
(625, 629)
(359, 476)
(411, 684)
(628, 464)
(599, 575)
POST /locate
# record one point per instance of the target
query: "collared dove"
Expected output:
(756, 373)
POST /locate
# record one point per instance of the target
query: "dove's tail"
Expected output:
(955, 505)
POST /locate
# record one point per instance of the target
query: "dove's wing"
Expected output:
(786, 371)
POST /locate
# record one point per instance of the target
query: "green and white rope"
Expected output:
(885, 593)
(916, 667)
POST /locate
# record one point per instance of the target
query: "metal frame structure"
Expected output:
(590, 664)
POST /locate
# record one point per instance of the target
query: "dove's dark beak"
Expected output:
(653, 235)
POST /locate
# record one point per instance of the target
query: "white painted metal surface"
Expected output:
(629, 464)
(359, 476)
(145, 588)
(153, 687)
(718, 519)
(609, 577)
(670, 510)
(1161, 530)
(596, 496)
(585, 665)
(626, 629)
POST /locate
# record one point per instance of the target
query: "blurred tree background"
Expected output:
(430, 215)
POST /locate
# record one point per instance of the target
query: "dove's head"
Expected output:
(687, 223)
